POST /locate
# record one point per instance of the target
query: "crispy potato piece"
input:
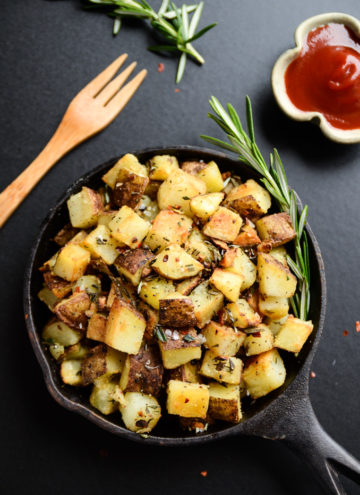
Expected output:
(222, 340)
(247, 238)
(280, 254)
(274, 307)
(105, 217)
(168, 228)
(71, 262)
(103, 395)
(84, 208)
(180, 348)
(193, 167)
(188, 400)
(102, 245)
(293, 334)
(70, 372)
(125, 327)
(276, 229)
(207, 303)
(249, 199)
(127, 163)
(236, 261)
(143, 372)
(188, 372)
(274, 278)
(175, 263)
(127, 227)
(227, 282)
(91, 284)
(132, 262)
(275, 325)
(199, 247)
(101, 360)
(212, 177)
(224, 402)
(222, 368)
(57, 332)
(224, 224)
(141, 412)
(162, 166)
(187, 285)
(264, 373)
(130, 190)
(176, 310)
(72, 310)
(258, 341)
(205, 205)
(58, 286)
(154, 289)
(242, 315)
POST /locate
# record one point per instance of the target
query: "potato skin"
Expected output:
(151, 317)
(129, 191)
(193, 167)
(131, 261)
(58, 286)
(72, 310)
(177, 313)
(276, 229)
(94, 365)
(143, 372)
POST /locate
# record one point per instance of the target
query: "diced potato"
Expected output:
(168, 228)
(189, 400)
(264, 373)
(228, 283)
(293, 334)
(247, 238)
(105, 217)
(249, 199)
(162, 166)
(275, 325)
(76, 351)
(58, 286)
(222, 340)
(91, 284)
(176, 310)
(225, 402)
(72, 310)
(71, 262)
(148, 208)
(224, 224)
(277, 229)
(132, 262)
(155, 289)
(70, 372)
(143, 372)
(258, 341)
(101, 360)
(125, 327)
(57, 332)
(274, 278)
(57, 351)
(222, 368)
(129, 189)
(236, 261)
(193, 167)
(84, 208)
(103, 396)
(183, 349)
(187, 285)
(96, 329)
(211, 175)
(127, 227)
(141, 412)
(279, 253)
(274, 307)
(175, 263)
(207, 303)
(78, 239)
(48, 297)
(127, 163)
(102, 245)
(197, 246)
(188, 372)
(177, 191)
(205, 205)
(242, 315)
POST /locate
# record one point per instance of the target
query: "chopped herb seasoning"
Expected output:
(159, 334)
(188, 338)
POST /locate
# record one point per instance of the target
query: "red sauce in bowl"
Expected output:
(325, 77)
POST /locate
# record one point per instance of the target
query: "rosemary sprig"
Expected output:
(275, 181)
(173, 23)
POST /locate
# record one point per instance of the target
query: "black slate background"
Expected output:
(48, 51)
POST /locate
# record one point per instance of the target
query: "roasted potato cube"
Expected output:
(222, 368)
(103, 396)
(71, 262)
(57, 351)
(125, 327)
(84, 208)
(293, 334)
(274, 307)
(177, 191)
(280, 254)
(162, 166)
(132, 262)
(212, 177)
(274, 278)
(187, 285)
(148, 208)
(91, 284)
(224, 224)
(259, 340)
(153, 290)
(199, 247)
(193, 167)
(105, 217)
(101, 360)
(101, 245)
(189, 400)
(188, 372)
(175, 263)
(275, 325)
(168, 228)
(247, 238)
(176, 310)
(276, 229)
(48, 297)
(141, 412)
(57, 332)
(227, 282)
(207, 303)
(72, 310)
(205, 205)
(224, 402)
(58, 286)
(180, 348)
(128, 163)
(222, 340)
(129, 190)
(143, 372)
(249, 199)
(236, 261)
(127, 227)
(264, 373)
(70, 372)
(242, 315)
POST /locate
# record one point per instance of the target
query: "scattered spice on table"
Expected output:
(357, 326)
(345, 333)
(161, 67)
(204, 474)
(312, 374)
(177, 90)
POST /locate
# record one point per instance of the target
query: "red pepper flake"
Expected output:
(357, 326)
(186, 400)
(177, 260)
(26, 316)
(312, 374)
(161, 67)
(103, 453)
(77, 289)
(203, 474)
(141, 414)
(345, 333)
(165, 258)
(177, 90)
(134, 239)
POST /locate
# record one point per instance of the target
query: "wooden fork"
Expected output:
(95, 107)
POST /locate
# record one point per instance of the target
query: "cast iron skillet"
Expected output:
(286, 414)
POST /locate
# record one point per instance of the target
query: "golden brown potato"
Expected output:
(187, 285)
(96, 329)
(249, 199)
(207, 302)
(188, 372)
(101, 245)
(190, 400)
(176, 310)
(180, 348)
(293, 334)
(259, 340)
(58, 286)
(242, 315)
(275, 279)
(225, 402)
(274, 307)
(154, 289)
(212, 177)
(130, 190)
(264, 373)
(162, 166)
(227, 282)
(168, 228)
(143, 372)
(193, 167)
(222, 368)
(132, 262)
(236, 261)
(223, 340)
(247, 238)
(84, 208)
(276, 229)
(140, 412)
(72, 310)
(127, 163)
(127, 227)
(175, 263)
(205, 205)
(71, 262)
(224, 224)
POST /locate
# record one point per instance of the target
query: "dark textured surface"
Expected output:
(49, 50)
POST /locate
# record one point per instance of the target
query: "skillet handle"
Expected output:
(325, 457)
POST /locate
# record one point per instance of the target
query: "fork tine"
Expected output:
(97, 84)
(117, 103)
(113, 87)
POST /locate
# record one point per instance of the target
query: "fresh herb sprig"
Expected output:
(275, 181)
(172, 22)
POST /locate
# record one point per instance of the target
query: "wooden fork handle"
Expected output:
(11, 197)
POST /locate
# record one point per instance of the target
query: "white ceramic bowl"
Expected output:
(282, 63)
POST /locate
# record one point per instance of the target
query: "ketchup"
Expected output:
(325, 77)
